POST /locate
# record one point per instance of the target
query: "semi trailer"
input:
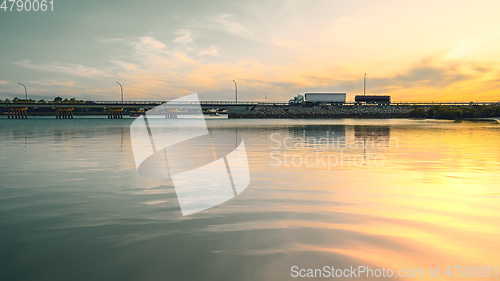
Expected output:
(325, 97)
(373, 99)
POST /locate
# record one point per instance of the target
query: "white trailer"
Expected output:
(325, 97)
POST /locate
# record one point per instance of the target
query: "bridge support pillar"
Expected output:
(115, 113)
(17, 113)
(171, 114)
(64, 113)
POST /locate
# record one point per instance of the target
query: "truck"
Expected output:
(325, 97)
(299, 99)
(373, 99)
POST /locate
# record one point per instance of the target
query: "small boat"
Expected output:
(212, 112)
(136, 113)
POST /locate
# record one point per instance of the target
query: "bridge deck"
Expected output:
(204, 104)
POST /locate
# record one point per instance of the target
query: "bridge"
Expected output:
(115, 109)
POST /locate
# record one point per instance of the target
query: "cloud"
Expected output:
(212, 51)
(434, 78)
(183, 36)
(124, 65)
(63, 83)
(159, 68)
(422, 75)
(196, 57)
(111, 40)
(148, 43)
(66, 68)
(229, 24)
(3, 82)
(225, 23)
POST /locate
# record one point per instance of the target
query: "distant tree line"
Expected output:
(456, 112)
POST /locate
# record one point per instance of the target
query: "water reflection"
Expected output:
(73, 206)
(372, 132)
(430, 203)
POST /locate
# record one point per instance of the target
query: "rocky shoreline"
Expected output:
(324, 111)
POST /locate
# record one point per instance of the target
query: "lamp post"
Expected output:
(121, 88)
(364, 86)
(25, 90)
(236, 90)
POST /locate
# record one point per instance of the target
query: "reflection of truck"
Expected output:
(325, 97)
(373, 99)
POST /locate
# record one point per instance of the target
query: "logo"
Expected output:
(172, 141)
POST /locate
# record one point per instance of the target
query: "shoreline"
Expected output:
(365, 111)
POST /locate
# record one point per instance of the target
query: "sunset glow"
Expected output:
(413, 51)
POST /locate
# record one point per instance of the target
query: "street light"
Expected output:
(25, 90)
(364, 86)
(236, 90)
(121, 89)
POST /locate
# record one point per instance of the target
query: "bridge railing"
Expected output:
(188, 102)
(126, 102)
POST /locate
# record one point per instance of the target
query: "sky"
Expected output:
(161, 50)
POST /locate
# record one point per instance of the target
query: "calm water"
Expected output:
(399, 194)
